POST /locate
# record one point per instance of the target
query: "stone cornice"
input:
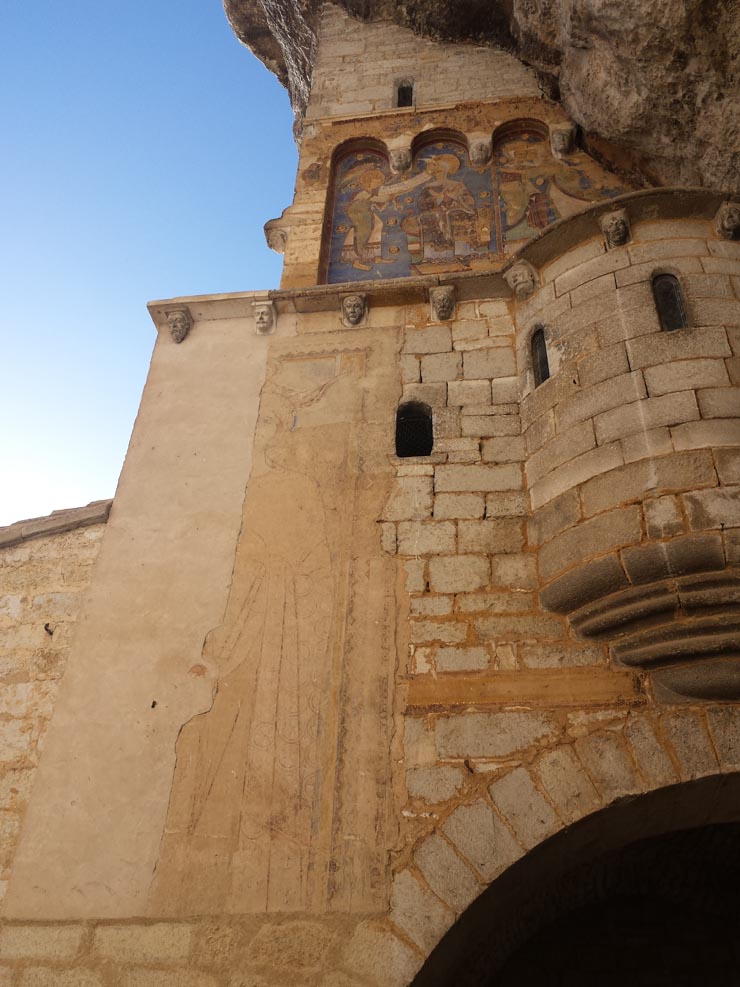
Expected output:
(55, 523)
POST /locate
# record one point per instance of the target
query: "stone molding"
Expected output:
(55, 523)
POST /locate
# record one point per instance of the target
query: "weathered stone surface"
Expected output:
(526, 808)
(491, 734)
(445, 873)
(482, 839)
(419, 913)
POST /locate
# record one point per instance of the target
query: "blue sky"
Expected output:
(144, 149)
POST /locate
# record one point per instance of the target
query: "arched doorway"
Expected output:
(645, 893)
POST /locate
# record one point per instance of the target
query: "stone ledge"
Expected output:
(55, 523)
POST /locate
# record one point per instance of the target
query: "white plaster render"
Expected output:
(136, 674)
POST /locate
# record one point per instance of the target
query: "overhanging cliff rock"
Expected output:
(654, 86)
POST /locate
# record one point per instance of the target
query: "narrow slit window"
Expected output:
(669, 302)
(405, 94)
(540, 364)
(414, 432)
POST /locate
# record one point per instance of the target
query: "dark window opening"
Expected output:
(669, 303)
(540, 364)
(406, 94)
(414, 433)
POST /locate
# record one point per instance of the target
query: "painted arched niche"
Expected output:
(445, 215)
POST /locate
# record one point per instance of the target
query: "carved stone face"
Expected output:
(728, 224)
(264, 317)
(400, 160)
(480, 153)
(179, 323)
(561, 141)
(276, 240)
(616, 229)
(521, 278)
(353, 309)
(443, 303)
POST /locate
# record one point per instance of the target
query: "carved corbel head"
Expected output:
(265, 317)
(400, 160)
(727, 221)
(354, 309)
(616, 228)
(480, 152)
(442, 303)
(180, 323)
(562, 140)
(522, 278)
(276, 236)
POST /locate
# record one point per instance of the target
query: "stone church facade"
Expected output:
(414, 626)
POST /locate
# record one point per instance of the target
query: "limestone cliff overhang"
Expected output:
(563, 235)
(56, 523)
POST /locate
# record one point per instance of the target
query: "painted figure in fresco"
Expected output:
(535, 189)
(447, 221)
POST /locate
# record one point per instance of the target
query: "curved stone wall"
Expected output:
(633, 450)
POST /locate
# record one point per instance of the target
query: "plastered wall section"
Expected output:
(136, 674)
(42, 587)
(359, 66)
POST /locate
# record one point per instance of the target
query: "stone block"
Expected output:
(461, 505)
(496, 602)
(40, 942)
(641, 416)
(573, 258)
(458, 573)
(430, 631)
(514, 571)
(491, 425)
(435, 339)
(721, 265)
(446, 874)
(431, 606)
(567, 784)
(667, 347)
(507, 505)
(642, 445)
(608, 763)
(663, 517)
(682, 556)
(529, 813)
(161, 942)
(376, 953)
(483, 839)
(688, 735)
(707, 286)
(590, 539)
(469, 329)
(441, 366)
(505, 390)
(435, 782)
(463, 392)
(426, 537)
(44, 976)
(519, 628)
(492, 537)
(716, 508)
(411, 499)
(611, 361)
(719, 402)
(584, 584)
(461, 659)
(659, 250)
(724, 727)
(550, 520)
(435, 395)
(591, 269)
(296, 945)
(595, 400)
(415, 570)
(645, 272)
(685, 375)
(483, 479)
(592, 289)
(727, 462)
(678, 471)
(496, 362)
(492, 734)
(649, 752)
(418, 913)
(418, 742)
(568, 655)
(508, 449)
(708, 433)
(717, 311)
(540, 432)
(410, 370)
(564, 447)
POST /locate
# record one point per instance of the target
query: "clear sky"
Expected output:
(143, 150)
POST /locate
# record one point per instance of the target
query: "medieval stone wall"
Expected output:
(45, 569)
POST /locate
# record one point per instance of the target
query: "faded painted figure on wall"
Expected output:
(449, 214)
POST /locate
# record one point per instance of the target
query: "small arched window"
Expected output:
(540, 364)
(669, 302)
(414, 433)
(405, 93)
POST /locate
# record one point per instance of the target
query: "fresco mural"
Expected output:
(446, 215)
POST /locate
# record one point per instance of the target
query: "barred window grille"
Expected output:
(540, 363)
(669, 302)
(414, 431)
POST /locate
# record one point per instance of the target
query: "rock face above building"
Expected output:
(654, 86)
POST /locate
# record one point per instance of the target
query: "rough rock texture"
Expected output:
(654, 85)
